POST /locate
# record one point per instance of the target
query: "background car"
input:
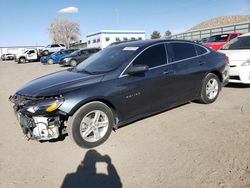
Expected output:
(217, 41)
(238, 51)
(118, 85)
(53, 48)
(8, 56)
(56, 57)
(78, 56)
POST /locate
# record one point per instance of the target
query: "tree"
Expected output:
(155, 35)
(167, 34)
(64, 31)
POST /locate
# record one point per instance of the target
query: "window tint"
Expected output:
(200, 50)
(233, 36)
(107, 39)
(31, 52)
(179, 51)
(218, 38)
(152, 57)
(238, 43)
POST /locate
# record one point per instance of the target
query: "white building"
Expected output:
(103, 38)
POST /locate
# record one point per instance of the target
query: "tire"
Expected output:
(82, 128)
(50, 61)
(22, 60)
(46, 52)
(73, 63)
(210, 89)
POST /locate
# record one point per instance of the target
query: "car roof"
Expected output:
(245, 34)
(145, 43)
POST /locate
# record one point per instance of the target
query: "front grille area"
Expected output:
(234, 78)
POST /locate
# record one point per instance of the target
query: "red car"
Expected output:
(217, 41)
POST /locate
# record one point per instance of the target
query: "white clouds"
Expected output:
(69, 10)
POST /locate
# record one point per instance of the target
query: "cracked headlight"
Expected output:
(45, 106)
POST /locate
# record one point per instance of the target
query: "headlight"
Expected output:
(66, 59)
(246, 63)
(45, 106)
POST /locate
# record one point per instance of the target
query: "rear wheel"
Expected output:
(22, 60)
(210, 89)
(91, 125)
(73, 63)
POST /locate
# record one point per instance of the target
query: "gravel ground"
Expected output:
(193, 145)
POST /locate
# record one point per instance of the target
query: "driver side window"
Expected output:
(152, 57)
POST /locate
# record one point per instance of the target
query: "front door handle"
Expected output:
(202, 62)
(166, 72)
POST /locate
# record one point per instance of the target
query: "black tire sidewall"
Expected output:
(77, 118)
(204, 98)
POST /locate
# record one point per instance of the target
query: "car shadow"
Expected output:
(237, 85)
(86, 175)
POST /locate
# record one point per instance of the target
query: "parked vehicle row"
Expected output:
(118, 85)
(56, 57)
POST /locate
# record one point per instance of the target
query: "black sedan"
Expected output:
(78, 56)
(118, 85)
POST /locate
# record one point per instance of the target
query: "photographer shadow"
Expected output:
(86, 175)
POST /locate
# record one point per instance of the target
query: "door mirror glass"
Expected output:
(135, 69)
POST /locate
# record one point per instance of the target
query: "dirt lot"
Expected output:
(193, 145)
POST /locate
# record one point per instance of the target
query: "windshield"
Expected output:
(218, 38)
(75, 52)
(239, 43)
(105, 60)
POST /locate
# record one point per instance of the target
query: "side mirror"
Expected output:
(135, 69)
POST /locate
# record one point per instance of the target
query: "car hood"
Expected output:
(236, 56)
(58, 83)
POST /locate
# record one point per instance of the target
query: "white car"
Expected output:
(238, 52)
(53, 48)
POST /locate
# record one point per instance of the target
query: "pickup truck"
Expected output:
(217, 41)
(28, 56)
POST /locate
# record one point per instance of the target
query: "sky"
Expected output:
(26, 22)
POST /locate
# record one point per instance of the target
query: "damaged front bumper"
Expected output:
(38, 120)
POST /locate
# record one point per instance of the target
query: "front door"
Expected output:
(147, 92)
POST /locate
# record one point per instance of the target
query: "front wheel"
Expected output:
(91, 125)
(50, 61)
(73, 63)
(210, 89)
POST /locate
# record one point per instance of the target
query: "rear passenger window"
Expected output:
(152, 57)
(179, 51)
(200, 50)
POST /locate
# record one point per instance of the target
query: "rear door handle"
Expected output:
(166, 72)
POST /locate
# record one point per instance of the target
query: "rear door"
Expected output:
(189, 69)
